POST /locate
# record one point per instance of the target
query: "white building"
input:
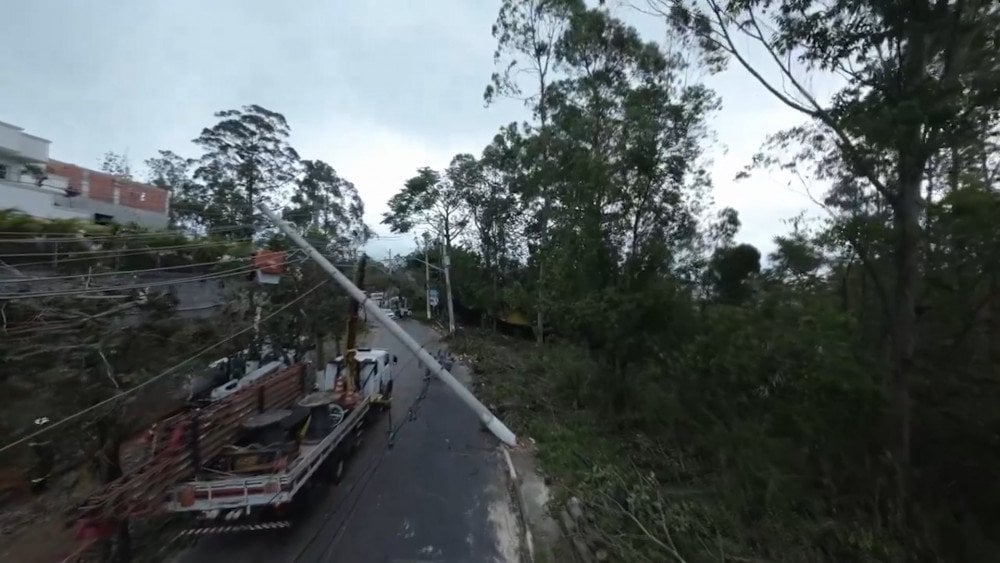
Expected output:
(31, 183)
(19, 189)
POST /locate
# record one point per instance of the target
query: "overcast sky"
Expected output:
(376, 89)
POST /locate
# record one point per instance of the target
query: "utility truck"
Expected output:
(276, 453)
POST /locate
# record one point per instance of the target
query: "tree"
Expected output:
(489, 189)
(117, 165)
(247, 162)
(328, 204)
(912, 88)
(429, 200)
(526, 33)
(731, 271)
(188, 199)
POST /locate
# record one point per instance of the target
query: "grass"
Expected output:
(662, 493)
(578, 449)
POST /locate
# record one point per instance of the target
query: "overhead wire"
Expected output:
(40, 237)
(26, 333)
(97, 289)
(159, 376)
(28, 279)
(114, 253)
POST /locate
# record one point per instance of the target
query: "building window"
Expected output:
(3, 171)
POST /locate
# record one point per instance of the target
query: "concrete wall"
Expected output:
(37, 202)
(50, 203)
(119, 213)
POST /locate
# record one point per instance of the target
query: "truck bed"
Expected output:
(227, 491)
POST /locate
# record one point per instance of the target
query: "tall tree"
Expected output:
(325, 203)
(526, 33)
(247, 161)
(919, 76)
(430, 201)
(188, 198)
(117, 164)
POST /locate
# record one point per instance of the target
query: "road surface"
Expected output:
(439, 494)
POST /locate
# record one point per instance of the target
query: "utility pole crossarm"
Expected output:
(488, 419)
(428, 264)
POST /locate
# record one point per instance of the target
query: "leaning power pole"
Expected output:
(494, 424)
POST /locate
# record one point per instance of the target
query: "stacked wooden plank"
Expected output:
(181, 444)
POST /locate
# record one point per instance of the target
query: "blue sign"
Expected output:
(432, 297)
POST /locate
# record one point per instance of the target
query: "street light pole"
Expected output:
(494, 424)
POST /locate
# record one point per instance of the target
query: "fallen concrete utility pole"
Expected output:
(491, 422)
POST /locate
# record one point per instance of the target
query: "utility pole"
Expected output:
(352, 328)
(446, 264)
(492, 423)
(427, 276)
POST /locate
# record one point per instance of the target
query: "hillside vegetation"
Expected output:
(832, 398)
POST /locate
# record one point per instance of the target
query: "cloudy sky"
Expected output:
(377, 89)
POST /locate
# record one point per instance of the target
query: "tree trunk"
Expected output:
(911, 151)
(906, 220)
(539, 314)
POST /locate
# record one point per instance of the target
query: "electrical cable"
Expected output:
(217, 275)
(18, 333)
(159, 376)
(121, 252)
(104, 251)
(117, 272)
(40, 237)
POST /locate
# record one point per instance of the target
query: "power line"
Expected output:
(157, 377)
(216, 275)
(102, 250)
(41, 236)
(117, 272)
(125, 252)
(18, 332)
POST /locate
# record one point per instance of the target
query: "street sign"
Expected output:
(432, 297)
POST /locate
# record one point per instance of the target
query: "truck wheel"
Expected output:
(386, 397)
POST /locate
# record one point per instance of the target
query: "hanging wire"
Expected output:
(118, 272)
(124, 252)
(42, 236)
(62, 293)
(159, 376)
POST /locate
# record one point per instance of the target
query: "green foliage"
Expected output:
(328, 205)
(247, 160)
(818, 402)
(730, 272)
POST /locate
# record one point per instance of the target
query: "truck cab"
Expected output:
(375, 373)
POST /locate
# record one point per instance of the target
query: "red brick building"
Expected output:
(101, 186)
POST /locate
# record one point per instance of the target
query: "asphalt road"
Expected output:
(439, 493)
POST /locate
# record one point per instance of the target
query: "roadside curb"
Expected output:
(544, 540)
(515, 485)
